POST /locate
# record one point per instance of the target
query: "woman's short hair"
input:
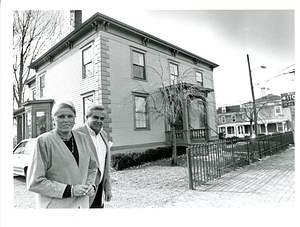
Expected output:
(92, 108)
(62, 104)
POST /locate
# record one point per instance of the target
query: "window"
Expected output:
(42, 86)
(222, 130)
(87, 102)
(138, 60)
(140, 112)
(240, 129)
(223, 109)
(40, 122)
(223, 119)
(202, 114)
(199, 78)
(87, 62)
(174, 73)
(230, 130)
(233, 118)
(34, 94)
(278, 110)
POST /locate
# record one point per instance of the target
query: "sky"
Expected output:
(221, 31)
(226, 37)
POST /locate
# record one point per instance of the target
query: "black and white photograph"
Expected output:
(178, 111)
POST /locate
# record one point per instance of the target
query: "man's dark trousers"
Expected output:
(97, 203)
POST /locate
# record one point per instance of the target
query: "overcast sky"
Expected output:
(221, 35)
(226, 37)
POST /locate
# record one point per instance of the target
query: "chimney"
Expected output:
(263, 91)
(75, 19)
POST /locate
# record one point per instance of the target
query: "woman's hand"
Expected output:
(80, 190)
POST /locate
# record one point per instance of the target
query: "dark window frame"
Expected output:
(136, 67)
(174, 75)
(146, 112)
(42, 85)
(90, 95)
(199, 82)
(87, 64)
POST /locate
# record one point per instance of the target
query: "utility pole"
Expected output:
(253, 98)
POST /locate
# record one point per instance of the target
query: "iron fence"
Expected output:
(209, 161)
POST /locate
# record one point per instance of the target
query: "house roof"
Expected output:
(230, 109)
(269, 98)
(99, 19)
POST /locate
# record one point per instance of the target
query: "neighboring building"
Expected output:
(108, 62)
(272, 117)
(232, 121)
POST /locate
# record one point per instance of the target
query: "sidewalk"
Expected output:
(267, 183)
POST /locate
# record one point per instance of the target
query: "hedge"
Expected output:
(125, 160)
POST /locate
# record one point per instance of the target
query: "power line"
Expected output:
(284, 69)
(293, 71)
(278, 75)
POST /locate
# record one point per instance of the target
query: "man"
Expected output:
(99, 144)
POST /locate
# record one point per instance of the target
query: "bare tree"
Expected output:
(173, 102)
(250, 113)
(33, 33)
(167, 100)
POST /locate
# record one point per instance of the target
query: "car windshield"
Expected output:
(29, 147)
(20, 148)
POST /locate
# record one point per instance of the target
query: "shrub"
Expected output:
(125, 160)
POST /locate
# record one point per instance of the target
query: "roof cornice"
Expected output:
(100, 21)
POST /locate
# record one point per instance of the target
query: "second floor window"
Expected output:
(174, 73)
(277, 110)
(223, 119)
(199, 78)
(42, 86)
(33, 93)
(138, 65)
(87, 62)
(233, 118)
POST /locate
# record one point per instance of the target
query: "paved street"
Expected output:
(267, 183)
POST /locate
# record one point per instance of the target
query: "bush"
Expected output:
(126, 160)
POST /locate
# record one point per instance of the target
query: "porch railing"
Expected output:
(195, 133)
(208, 161)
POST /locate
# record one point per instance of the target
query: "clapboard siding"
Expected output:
(63, 80)
(112, 83)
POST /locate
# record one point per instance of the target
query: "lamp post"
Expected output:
(252, 91)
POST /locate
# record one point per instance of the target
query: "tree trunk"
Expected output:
(251, 127)
(174, 147)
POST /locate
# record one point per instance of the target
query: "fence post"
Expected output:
(259, 151)
(248, 152)
(232, 154)
(190, 173)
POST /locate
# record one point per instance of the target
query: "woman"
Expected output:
(63, 169)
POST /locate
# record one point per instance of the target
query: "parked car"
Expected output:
(21, 156)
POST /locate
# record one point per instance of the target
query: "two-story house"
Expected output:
(234, 121)
(108, 62)
(231, 121)
(271, 116)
